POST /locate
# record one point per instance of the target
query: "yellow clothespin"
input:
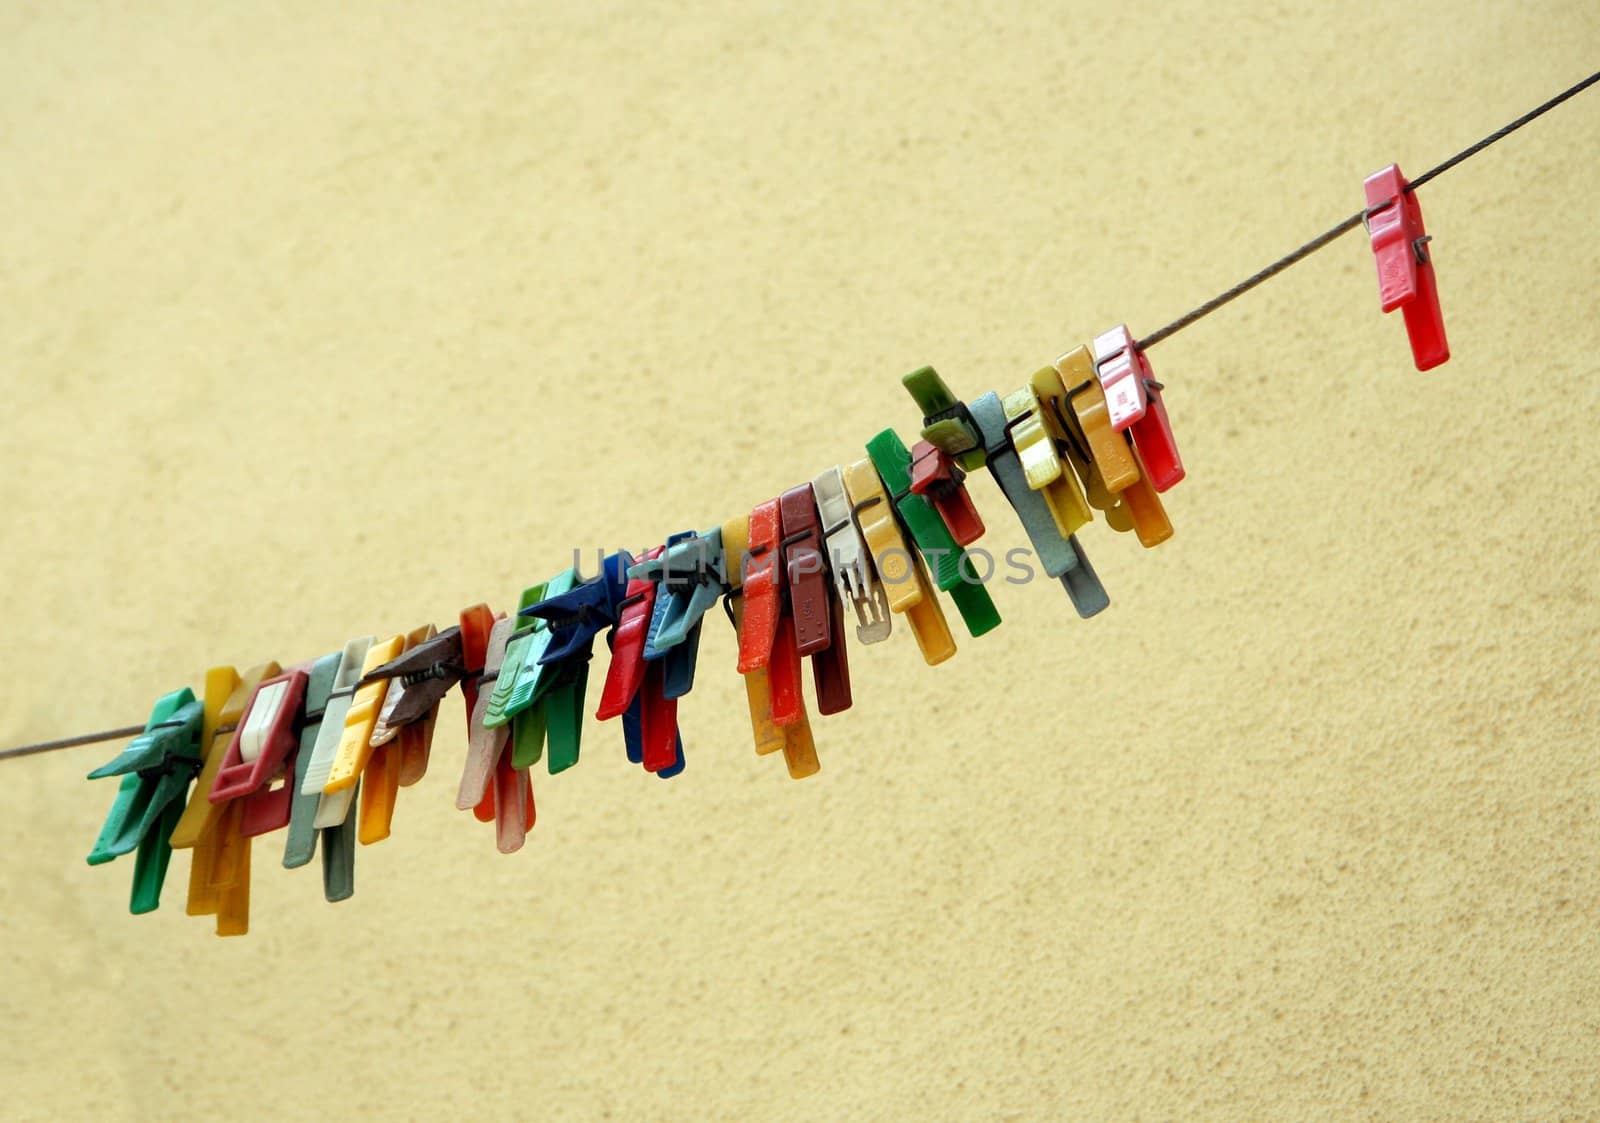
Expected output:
(1035, 429)
(799, 749)
(398, 757)
(355, 751)
(903, 575)
(219, 872)
(1114, 459)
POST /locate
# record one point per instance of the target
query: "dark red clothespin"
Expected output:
(1134, 403)
(258, 769)
(937, 476)
(630, 675)
(1405, 267)
(818, 616)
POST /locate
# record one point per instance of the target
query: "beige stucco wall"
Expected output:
(318, 323)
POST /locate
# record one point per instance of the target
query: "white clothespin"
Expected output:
(852, 562)
(332, 810)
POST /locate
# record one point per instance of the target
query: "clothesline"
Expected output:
(1322, 240)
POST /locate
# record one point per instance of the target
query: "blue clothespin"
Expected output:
(156, 769)
(579, 614)
(690, 575)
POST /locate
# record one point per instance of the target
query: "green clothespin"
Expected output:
(945, 420)
(563, 707)
(951, 570)
(156, 769)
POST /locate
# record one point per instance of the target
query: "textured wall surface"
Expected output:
(314, 324)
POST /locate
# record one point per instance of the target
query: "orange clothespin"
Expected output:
(794, 739)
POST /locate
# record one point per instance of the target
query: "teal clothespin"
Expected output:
(156, 769)
(338, 842)
(690, 575)
(947, 560)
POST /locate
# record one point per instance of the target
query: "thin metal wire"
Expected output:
(1344, 226)
(74, 742)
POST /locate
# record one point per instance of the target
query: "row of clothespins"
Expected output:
(322, 748)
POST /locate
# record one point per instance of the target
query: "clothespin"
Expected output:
(940, 480)
(794, 739)
(1116, 478)
(634, 688)
(575, 617)
(262, 753)
(156, 769)
(521, 678)
(854, 577)
(1405, 266)
(818, 616)
(424, 674)
(900, 570)
(333, 808)
(219, 873)
(1033, 440)
(946, 423)
(338, 843)
(766, 638)
(398, 754)
(1061, 557)
(1133, 400)
(947, 561)
(689, 579)
(355, 740)
(490, 783)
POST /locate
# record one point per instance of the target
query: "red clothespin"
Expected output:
(1405, 268)
(1133, 400)
(818, 616)
(938, 477)
(767, 640)
(629, 675)
(262, 754)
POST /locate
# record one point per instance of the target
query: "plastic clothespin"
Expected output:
(939, 479)
(156, 769)
(262, 753)
(948, 562)
(338, 843)
(1405, 265)
(1134, 402)
(899, 569)
(219, 873)
(1061, 557)
(818, 615)
(766, 637)
(355, 740)
(490, 783)
(395, 759)
(425, 672)
(521, 681)
(794, 739)
(1034, 441)
(575, 617)
(333, 809)
(946, 423)
(1114, 463)
(689, 578)
(634, 688)
(854, 577)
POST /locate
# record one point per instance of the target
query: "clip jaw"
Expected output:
(1406, 280)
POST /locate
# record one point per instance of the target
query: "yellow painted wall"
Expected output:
(316, 323)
